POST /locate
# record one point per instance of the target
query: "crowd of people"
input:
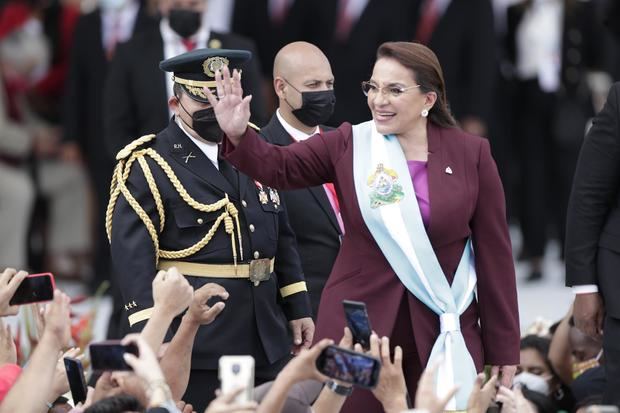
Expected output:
(237, 169)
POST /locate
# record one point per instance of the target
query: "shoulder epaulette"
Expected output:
(128, 149)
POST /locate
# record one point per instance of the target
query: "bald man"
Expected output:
(304, 84)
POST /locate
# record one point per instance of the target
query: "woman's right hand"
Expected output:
(232, 110)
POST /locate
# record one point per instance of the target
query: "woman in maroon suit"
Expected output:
(457, 194)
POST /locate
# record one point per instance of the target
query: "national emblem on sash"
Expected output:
(385, 188)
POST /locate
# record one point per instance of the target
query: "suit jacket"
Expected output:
(467, 203)
(254, 321)
(313, 220)
(251, 19)
(136, 97)
(464, 42)
(83, 104)
(593, 222)
(352, 60)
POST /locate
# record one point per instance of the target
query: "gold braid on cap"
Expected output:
(126, 158)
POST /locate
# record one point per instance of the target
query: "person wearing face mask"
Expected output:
(176, 203)
(304, 84)
(136, 92)
(536, 372)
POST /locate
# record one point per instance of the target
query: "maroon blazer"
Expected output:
(467, 202)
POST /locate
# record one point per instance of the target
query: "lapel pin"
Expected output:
(449, 170)
(188, 157)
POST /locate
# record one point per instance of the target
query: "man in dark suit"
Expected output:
(304, 84)
(176, 204)
(95, 39)
(136, 91)
(350, 32)
(461, 33)
(593, 238)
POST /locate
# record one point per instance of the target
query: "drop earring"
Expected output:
(424, 113)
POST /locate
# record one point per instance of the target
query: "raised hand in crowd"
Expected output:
(301, 367)
(184, 407)
(60, 382)
(482, 394)
(391, 389)
(303, 333)
(172, 294)
(8, 352)
(425, 398)
(177, 360)
(505, 374)
(41, 369)
(10, 279)
(146, 366)
(513, 401)
(225, 403)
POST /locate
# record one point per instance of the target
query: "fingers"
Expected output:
(236, 84)
(385, 351)
(375, 346)
(495, 371)
(213, 312)
(227, 84)
(398, 357)
(131, 360)
(212, 99)
(230, 396)
(219, 85)
(296, 329)
(445, 399)
(16, 280)
(508, 373)
(308, 333)
(347, 339)
(159, 277)
(6, 276)
(210, 290)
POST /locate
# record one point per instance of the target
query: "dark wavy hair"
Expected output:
(426, 71)
(116, 404)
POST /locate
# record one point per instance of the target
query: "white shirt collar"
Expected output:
(210, 149)
(294, 132)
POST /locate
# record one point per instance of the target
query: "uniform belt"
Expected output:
(256, 271)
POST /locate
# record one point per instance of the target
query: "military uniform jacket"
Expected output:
(254, 321)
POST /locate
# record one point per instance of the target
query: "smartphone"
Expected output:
(236, 372)
(108, 355)
(349, 366)
(602, 409)
(357, 320)
(34, 288)
(75, 375)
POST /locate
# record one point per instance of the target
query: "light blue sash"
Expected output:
(390, 209)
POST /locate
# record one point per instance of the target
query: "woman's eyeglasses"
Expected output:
(370, 88)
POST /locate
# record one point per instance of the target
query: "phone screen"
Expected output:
(108, 355)
(34, 288)
(357, 320)
(349, 366)
(75, 375)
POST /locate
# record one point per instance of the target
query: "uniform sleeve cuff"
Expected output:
(585, 289)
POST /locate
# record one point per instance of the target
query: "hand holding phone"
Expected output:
(358, 322)
(34, 288)
(108, 355)
(237, 372)
(349, 366)
(77, 383)
(10, 279)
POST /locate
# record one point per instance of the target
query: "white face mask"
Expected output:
(533, 382)
(112, 5)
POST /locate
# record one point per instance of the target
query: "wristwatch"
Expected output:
(339, 389)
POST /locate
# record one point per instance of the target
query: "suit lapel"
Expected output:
(435, 176)
(189, 156)
(276, 134)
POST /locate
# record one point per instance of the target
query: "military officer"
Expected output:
(175, 202)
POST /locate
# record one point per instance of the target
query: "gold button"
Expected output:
(256, 255)
(200, 221)
(252, 228)
(245, 204)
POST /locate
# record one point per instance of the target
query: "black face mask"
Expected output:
(205, 124)
(184, 22)
(316, 107)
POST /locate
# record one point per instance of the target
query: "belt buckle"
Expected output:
(260, 270)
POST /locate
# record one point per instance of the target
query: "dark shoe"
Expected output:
(535, 275)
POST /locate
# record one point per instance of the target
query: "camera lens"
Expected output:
(236, 368)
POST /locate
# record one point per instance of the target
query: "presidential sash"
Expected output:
(391, 212)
